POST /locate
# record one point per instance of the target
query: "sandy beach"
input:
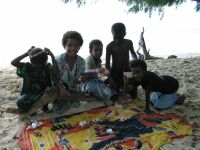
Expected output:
(186, 70)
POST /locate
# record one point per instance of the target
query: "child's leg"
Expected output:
(23, 104)
(99, 89)
(163, 101)
(49, 95)
(132, 91)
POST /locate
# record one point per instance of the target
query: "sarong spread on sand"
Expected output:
(108, 127)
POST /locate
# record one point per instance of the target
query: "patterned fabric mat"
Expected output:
(116, 127)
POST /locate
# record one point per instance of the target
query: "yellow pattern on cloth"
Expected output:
(84, 138)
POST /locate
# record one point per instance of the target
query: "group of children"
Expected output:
(71, 74)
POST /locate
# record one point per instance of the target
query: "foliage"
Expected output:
(148, 6)
(79, 2)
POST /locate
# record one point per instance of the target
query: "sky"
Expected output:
(42, 23)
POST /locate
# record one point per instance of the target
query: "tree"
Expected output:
(148, 6)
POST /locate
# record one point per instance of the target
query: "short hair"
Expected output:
(72, 35)
(40, 56)
(138, 63)
(118, 28)
(95, 42)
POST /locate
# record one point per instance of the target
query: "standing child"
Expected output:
(94, 84)
(161, 91)
(118, 49)
(39, 77)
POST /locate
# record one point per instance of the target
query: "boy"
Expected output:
(118, 49)
(39, 77)
(94, 84)
(161, 91)
(71, 67)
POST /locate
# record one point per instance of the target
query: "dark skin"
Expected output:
(72, 48)
(138, 74)
(40, 68)
(17, 61)
(96, 52)
(119, 50)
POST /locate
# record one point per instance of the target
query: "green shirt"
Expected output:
(91, 63)
(34, 82)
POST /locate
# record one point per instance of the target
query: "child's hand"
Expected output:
(48, 51)
(105, 71)
(82, 78)
(29, 50)
(101, 70)
(64, 93)
(126, 80)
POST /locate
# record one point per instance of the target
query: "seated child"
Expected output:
(161, 91)
(94, 85)
(39, 81)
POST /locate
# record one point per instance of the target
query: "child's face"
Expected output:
(138, 73)
(72, 47)
(96, 51)
(118, 37)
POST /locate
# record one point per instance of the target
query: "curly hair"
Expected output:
(118, 28)
(38, 56)
(95, 42)
(138, 63)
(72, 35)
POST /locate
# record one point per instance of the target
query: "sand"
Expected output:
(186, 70)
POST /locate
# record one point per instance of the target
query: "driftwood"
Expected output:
(146, 53)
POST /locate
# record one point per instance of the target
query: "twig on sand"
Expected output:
(1, 114)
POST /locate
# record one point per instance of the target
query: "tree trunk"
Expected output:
(142, 44)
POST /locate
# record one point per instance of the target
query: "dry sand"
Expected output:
(187, 71)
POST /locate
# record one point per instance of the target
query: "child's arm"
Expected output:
(133, 54)
(16, 62)
(86, 76)
(62, 89)
(108, 55)
(147, 96)
(55, 65)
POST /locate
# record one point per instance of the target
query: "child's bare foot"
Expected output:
(12, 110)
(180, 100)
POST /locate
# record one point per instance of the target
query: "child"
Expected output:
(38, 76)
(94, 84)
(161, 91)
(118, 49)
(71, 67)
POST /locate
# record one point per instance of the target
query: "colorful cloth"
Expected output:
(68, 76)
(108, 127)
